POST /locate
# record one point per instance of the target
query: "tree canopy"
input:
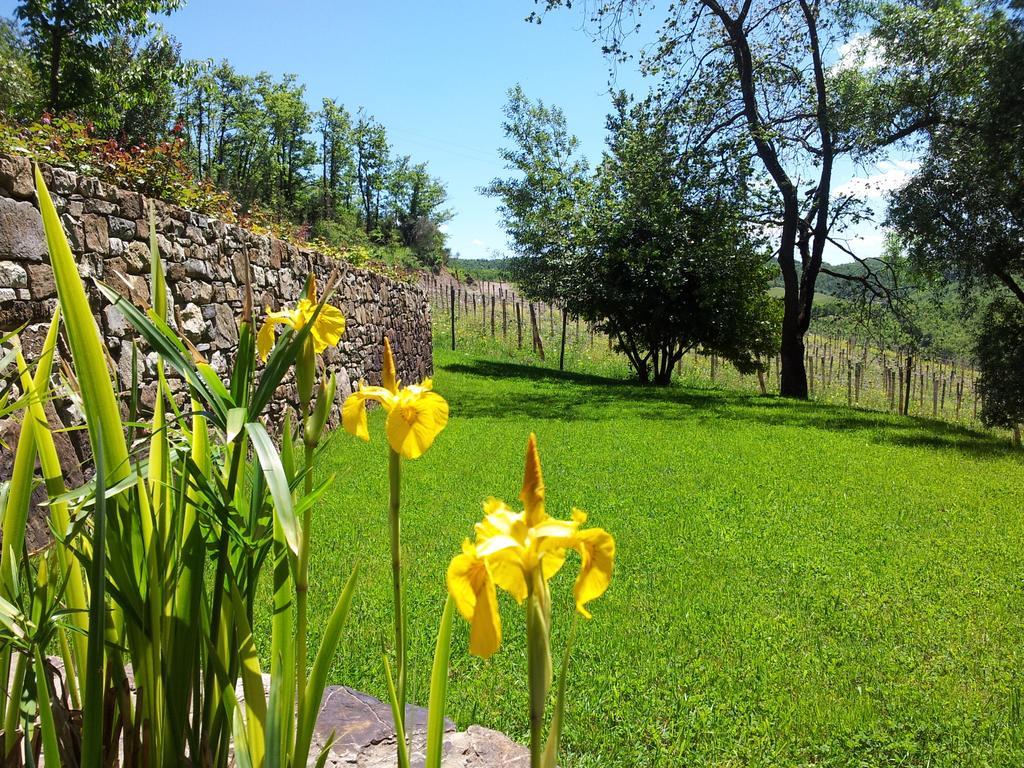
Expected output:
(651, 246)
(109, 66)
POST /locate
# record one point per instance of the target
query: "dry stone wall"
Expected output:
(205, 260)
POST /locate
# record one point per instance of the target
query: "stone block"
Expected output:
(13, 275)
(16, 177)
(94, 229)
(40, 281)
(21, 232)
(122, 228)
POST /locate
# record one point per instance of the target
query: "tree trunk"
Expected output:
(561, 352)
(56, 50)
(793, 371)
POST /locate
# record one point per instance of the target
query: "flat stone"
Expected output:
(16, 177)
(365, 736)
(192, 322)
(13, 275)
(21, 231)
(94, 228)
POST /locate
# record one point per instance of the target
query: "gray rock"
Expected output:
(21, 231)
(13, 275)
(192, 322)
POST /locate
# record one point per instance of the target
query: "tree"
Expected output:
(372, 158)
(671, 265)
(138, 87)
(288, 122)
(962, 215)
(1000, 357)
(652, 247)
(19, 86)
(759, 72)
(538, 207)
(337, 168)
(69, 40)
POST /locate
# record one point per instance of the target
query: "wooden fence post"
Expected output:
(452, 304)
(561, 353)
(519, 325)
(538, 343)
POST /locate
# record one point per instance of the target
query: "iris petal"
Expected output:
(415, 421)
(353, 415)
(597, 549)
(327, 328)
(265, 338)
(471, 587)
(532, 494)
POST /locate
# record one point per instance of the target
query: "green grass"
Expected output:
(796, 584)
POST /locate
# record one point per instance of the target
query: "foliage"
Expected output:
(961, 215)
(493, 270)
(102, 59)
(672, 265)
(540, 208)
(769, 80)
(19, 86)
(157, 171)
(250, 135)
(1000, 355)
(652, 247)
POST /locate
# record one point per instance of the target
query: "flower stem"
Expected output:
(394, 519)
(538, 667)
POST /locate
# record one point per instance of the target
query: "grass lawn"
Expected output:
(795, 584)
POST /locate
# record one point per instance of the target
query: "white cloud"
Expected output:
(478, 243)
(891, 174)
(860, 53)
(443, 228)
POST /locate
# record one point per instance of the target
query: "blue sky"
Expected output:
(436, 74)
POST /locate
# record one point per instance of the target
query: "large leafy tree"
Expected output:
(768, 75)
(71, 41)
(652, 246)
(1000, 356)
(671, 266)
(19, 86)
(538, 206)
(963, 212)
(962, 215)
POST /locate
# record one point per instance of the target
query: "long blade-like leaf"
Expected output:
(92, 699)
(321, 665)
(277, 482)
(439, 687)
(550, 757)
(87, 353)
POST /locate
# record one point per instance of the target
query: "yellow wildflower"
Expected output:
(416, 415)
(518, 550)
(326, 331)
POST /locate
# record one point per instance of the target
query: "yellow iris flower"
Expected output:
(514, 550)
(326, 331)
(416, 415)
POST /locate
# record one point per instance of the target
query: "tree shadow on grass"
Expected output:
(590, 397)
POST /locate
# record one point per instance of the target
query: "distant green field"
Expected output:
(796, 584)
